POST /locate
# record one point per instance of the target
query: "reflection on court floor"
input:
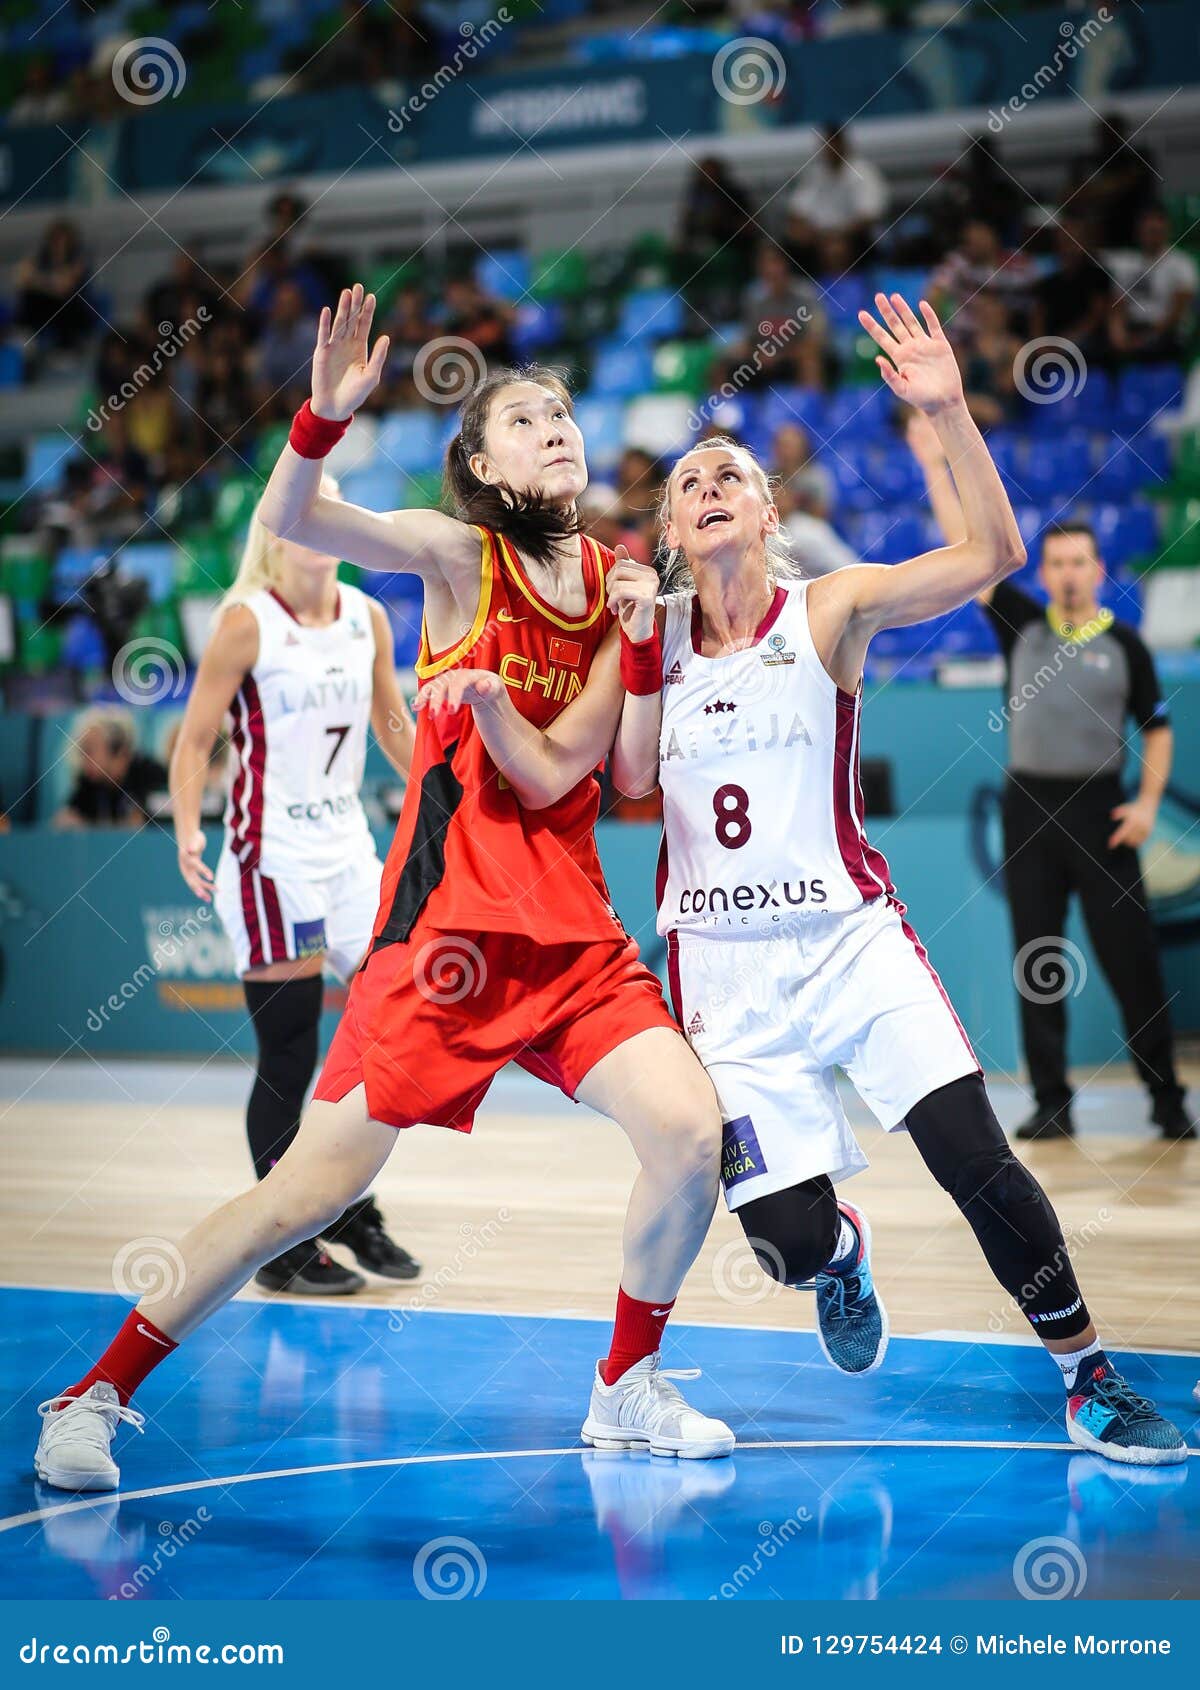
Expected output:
(304, 1452)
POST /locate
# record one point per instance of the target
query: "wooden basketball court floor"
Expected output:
(933, 1476)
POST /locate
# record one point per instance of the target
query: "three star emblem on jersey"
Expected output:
(779, 652)
(720, 705)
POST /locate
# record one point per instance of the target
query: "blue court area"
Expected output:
(301, 1452)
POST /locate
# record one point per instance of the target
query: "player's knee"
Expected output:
(301, 1205)
(998, 1195)
(793, 1233)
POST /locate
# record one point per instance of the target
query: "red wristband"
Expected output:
(641, 664)
(313, 436)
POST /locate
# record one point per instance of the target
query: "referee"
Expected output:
(1074, 676)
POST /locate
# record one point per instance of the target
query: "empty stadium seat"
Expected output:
(409, 440)
(651, 314)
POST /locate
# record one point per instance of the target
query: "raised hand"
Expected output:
(458, 687)
(342, 373)
(632, 590)
(920, 366)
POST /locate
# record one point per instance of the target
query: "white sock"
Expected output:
(847, 1244)
(1069, 1361)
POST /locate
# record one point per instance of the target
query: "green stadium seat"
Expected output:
(24, 572)
(423, 491)
(207, 562)
(1185, 471)
(37, 645)
(1180, 536)
(561, 274)
(235, 505)
(683, 366)
(270, 444)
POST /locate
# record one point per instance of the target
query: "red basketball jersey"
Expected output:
(466, 855)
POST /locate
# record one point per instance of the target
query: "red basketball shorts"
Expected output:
(429, 1023)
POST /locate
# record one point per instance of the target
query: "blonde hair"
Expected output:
(115, 721)
(262, 554)
(675, 568)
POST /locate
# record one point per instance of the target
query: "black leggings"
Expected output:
(963, 1146)
(287, 1019)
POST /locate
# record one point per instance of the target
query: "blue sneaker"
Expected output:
(1106, 1415)
(852, 1322)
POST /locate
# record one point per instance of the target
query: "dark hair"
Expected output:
(533, 526)
(1064, 531)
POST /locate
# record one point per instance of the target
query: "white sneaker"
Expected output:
(73, 1450)
(644, 1410)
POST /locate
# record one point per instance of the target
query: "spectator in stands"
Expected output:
(271, 267)
(282, 359)
(1112, 183)
(976, 185)
(71, 517)
(225, 414)
(369, 44)
(979, 261)
(114, 781)
(1153, 311)
(1074, 302)
(714, 223)
(816, 546)
(176, 297)
(785, 327)
(989, 356)
(40, 100)
(409, 328)
(807, 480)
(639, 477)
(51, 287)
(606, 520)
(839, 192)
(475, 315)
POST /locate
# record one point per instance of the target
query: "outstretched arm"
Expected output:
(854, 604)
(425, 542)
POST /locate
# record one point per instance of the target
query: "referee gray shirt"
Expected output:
(1068, 700)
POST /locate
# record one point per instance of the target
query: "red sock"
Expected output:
(136, 1351)
(637, 1334)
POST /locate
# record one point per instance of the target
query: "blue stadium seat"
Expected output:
(409, 440)
(844, 297)
(650, 314)
(1121, 467)
(505, 272)
(622, 371)
(896, 476)
(1145, 391)
(83, 645)
(380, 488)
(12, 365)
(601, 421)
(154, 562)
(537, 325)
(885, 537)
(46, 456)
(1055, 469)
(849, 464)
(72, 567)
(1124, 532)
(1091, 407)
(858, 413)
(787, 403)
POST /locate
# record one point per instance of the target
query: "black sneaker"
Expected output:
(1047, 1123)
(306, 1271)
(361, 1230)
(1172, 1119)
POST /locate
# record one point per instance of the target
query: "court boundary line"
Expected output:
(446, 1458)
(936, 1336)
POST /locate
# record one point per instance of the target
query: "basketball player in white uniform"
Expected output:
(788, 950)
(301, 663)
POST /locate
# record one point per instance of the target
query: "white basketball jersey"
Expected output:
(758, 763)
(300, 740)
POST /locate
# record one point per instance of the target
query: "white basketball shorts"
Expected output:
(271, 919)
(771, 1017)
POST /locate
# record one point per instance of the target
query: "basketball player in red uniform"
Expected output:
(494, 940)
(788, 949)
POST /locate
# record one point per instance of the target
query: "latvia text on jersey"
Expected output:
(299, 740)
(758, 763)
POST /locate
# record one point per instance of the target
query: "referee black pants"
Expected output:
(1056, 843)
